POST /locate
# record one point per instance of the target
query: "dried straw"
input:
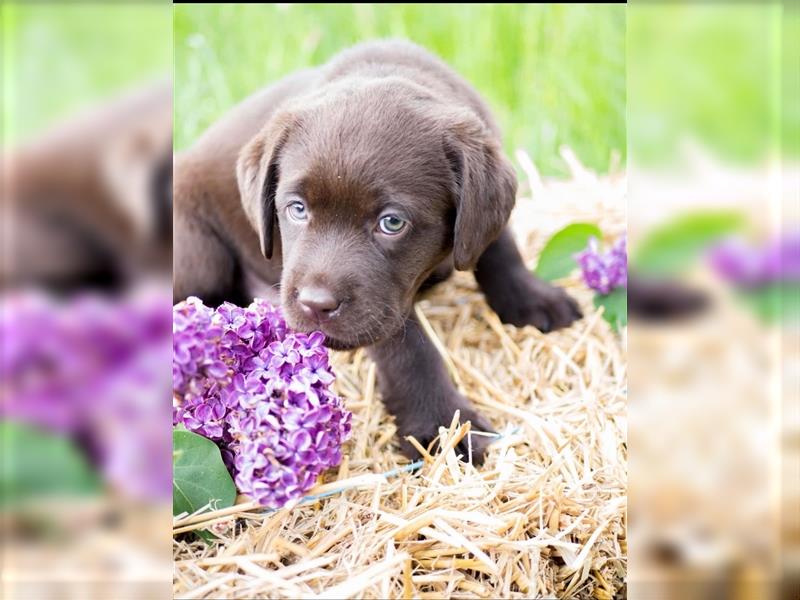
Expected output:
(545, 516)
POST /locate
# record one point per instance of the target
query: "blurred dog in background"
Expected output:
(88, 204)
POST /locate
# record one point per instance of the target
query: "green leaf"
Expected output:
(615, 307)
(37, 464)
(556, 259)
(672, 247)
(776, 303)
(198, 474)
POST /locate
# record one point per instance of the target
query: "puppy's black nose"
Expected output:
(318, 303)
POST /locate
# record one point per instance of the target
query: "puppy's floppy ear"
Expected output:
(257, 172)
(485, 187)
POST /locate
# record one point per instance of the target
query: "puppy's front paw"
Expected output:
(530, 301)
(424, 428)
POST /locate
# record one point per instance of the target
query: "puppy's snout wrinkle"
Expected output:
(318, 303)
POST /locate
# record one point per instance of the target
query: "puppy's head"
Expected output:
(370, 187)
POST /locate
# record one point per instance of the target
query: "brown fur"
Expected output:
(89, 202)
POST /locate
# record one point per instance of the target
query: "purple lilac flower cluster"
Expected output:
(92, 368)
(748, 266)
(604, 271)
(261, 392)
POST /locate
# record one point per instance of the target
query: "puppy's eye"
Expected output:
(391, 224)
(297, 211)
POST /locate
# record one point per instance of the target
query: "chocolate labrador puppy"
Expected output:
(351, 187)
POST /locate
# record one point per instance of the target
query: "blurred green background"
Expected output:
(59, 57)
(725, 74)
(553, 74)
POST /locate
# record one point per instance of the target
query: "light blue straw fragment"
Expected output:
(390, 473)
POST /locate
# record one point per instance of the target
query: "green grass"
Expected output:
(552, 74)
(59, 57)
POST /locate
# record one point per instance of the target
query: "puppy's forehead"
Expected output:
(340, 192)
(366, 147)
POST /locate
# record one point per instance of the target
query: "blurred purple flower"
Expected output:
(261, 393)
(749, 266)
(93, 368)
(604, 272)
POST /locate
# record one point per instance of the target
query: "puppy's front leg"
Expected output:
(417, 390)
(517, 296)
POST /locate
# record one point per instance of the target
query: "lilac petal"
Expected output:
(217, 369)
(301, 440)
